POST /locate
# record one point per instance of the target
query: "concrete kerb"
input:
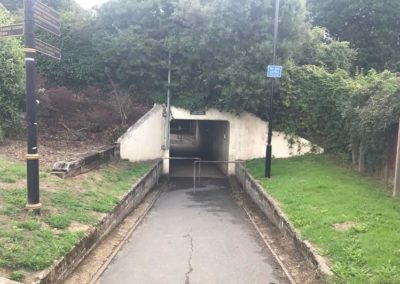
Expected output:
(63, 267)
(274, 213)
(7, 281)
(86, 162)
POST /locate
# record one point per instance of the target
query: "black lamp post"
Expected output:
(32, 157)
(268, 158)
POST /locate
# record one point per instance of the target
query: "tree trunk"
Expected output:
(361, 158)
(354, 154)
(396, 189)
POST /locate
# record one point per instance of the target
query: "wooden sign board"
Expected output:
(47, 18)
(47, 26)
(12, 30)
(49, 12)
(47, 49)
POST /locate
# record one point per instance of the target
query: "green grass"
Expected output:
(58, 221)
(11, 171)
(29, 243)
(316, 193)
(18, 276)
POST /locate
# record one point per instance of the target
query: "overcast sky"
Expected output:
(87, 4)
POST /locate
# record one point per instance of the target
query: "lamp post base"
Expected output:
(268, 160)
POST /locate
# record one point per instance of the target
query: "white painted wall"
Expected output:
(247, 137)
(281, 148)
(219, 145)
(143, 141)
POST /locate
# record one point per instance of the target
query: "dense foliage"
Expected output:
(219, 51)
(77, 67)
(373, 27)
(373, 110)
(11, 80)
(311, 105)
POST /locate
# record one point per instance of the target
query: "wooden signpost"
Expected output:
(12, 30)
(36, 14)
(47, 49)
(47, 18)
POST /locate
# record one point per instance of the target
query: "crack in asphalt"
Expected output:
(189, 236)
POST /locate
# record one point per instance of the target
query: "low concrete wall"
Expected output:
(273, 212)
(144, 140)
(59, 271)
(86, 163)
(7, 281)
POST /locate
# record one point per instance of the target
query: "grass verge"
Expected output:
(350, 218)
(29, 243)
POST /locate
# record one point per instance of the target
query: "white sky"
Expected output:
(87, 4)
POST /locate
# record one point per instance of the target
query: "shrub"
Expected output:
(58, 221)
(18, 276)
(11, 80)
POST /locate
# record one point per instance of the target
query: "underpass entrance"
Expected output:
(191, 140)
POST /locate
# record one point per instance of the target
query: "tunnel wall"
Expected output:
(247, 133)
(247, 137)
(144, 140)
(218, 147)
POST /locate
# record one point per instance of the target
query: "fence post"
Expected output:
(396, 188)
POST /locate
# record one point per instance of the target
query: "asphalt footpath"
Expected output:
(194, 237)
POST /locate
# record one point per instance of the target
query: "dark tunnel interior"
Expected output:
(204, 139)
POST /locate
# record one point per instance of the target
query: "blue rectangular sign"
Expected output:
(274, 71)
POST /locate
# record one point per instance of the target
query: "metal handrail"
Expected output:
(210, 162)
(196, 159)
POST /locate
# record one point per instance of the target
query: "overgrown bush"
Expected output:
(372, 111)
(340, 112)
(311, 104)
(11, 80)
(62, 99)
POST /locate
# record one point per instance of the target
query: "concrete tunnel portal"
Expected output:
(207, 140)
(186, 218)
(212, 135)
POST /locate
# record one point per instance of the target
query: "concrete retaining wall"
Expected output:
(144, 140)
(86, 162)
(58, 272)
(273, 212)
(247, 137)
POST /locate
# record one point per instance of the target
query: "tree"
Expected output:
(372, 27)
(322, 50)
(372, 110)
(220, 49)
(12, 5)
(77, 68)
(311, 104)
(11, 79)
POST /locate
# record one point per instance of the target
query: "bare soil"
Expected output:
(71, 125)
(50, 151)
(344, 226)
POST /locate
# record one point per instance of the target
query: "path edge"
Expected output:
(59, 271)
(271, 209)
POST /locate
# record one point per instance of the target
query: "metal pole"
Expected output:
(194, 176)
(199, 173)
(268, 157)
(168, 102)
(31, 113)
